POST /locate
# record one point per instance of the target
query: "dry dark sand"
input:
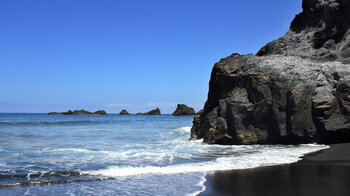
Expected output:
(321, 173)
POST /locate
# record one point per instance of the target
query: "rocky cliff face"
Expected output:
(320, 32)
(295, 90)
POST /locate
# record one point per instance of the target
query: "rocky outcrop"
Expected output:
(152, 112)
(124, 112)
(199, 112)
(320, 32)
(100, 112)
(79, 112)
(183, 110)
(295, 90)
(55, 113)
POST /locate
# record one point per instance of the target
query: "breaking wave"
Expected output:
(40, 178)
(264, 156)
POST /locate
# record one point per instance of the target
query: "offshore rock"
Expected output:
(55, 113)
(124, 112)
(100, 112)
(295, 90)
(152, 112)
(183, 110)
(79, 112)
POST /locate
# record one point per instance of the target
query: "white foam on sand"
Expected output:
(201, 185)
(263, 156)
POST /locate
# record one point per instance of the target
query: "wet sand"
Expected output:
(321, 174)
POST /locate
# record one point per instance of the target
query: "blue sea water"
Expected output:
(44, 154)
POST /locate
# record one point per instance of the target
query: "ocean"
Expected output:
(44, 154)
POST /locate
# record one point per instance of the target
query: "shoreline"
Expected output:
(325, 172)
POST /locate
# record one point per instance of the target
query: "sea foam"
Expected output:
(261, 156)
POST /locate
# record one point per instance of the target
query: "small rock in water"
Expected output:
(152, 112)
(183, 110)
(124, 112)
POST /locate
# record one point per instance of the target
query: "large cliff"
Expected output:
(294, 90)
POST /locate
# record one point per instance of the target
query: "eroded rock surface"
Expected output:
(295, 90)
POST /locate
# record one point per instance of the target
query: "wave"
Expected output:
(199, 184)
(51, 123)
(34, 175)
(125, 155)
(179, 131)
(266, 157)
(182, 130)
(70, 150)
(42, 178)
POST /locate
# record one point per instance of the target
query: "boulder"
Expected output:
(295, 90)
(183, 110)
(124, 112)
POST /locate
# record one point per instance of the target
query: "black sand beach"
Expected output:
(321, 173)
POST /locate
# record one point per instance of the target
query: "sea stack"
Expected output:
(152, 112)
(100, 112)
(183, 110)
(295, 90)
(124, 112)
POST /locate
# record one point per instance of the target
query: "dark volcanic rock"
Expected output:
(320, 32)
(79, 112)
(183, 110)
(55, 113)
(124, 112)
(199, 112)
(100, 112)
(69, 112)
(152, 112)
(295, 90)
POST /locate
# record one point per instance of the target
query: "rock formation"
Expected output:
(152, 112)
(100, 112)
(55, 113)
(79, 112)
(124, 112)
(183, 110)
(295, 90)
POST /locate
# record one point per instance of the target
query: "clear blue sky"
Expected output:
(57, 55)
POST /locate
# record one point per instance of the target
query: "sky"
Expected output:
(125, 54)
